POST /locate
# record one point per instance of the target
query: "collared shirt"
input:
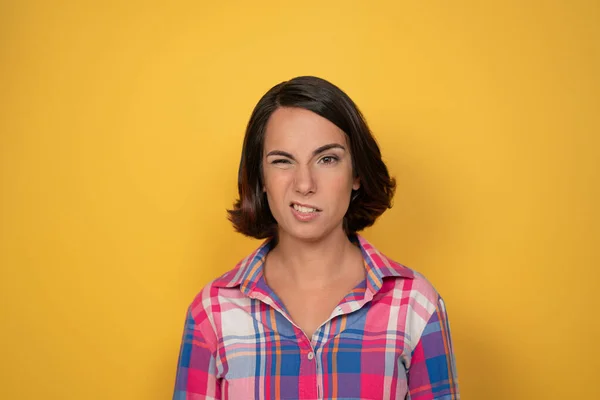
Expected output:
(389, 338)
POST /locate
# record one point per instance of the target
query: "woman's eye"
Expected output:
(281, 161)
(329, 160)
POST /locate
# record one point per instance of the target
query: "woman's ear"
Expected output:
(356, 183)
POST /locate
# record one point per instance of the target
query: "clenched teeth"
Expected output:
(304, 209)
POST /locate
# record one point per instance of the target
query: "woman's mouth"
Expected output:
(304, 212)
(304, 209)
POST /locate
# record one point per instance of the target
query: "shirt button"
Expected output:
(311, 355)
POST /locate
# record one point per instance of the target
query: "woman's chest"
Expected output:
(352, 356)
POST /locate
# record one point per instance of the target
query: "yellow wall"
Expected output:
(121, 127)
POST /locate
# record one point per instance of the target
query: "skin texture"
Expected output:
(314, 265)
(323, 180)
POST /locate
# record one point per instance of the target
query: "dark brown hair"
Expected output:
(251, 214)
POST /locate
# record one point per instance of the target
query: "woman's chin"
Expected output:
(306, 233)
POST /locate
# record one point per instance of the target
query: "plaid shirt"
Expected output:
(388, 339)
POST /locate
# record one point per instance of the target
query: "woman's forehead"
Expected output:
(301, 129)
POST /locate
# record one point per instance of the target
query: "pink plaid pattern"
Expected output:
(389, 338)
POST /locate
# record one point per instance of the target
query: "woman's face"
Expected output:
(307, 173)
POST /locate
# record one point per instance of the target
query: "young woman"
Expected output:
(316, 312)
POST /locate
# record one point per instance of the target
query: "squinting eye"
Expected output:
(280, 161)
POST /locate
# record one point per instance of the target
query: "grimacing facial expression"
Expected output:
(307, 173)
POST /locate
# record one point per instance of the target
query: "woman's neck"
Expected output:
(314, 264)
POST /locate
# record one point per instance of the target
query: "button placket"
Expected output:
(319, 378)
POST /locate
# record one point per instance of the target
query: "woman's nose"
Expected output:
(304, 181)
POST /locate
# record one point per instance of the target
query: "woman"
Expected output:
(316, 312)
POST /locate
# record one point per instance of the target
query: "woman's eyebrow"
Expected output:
(281, 153)
(328, 147)
(316, 152)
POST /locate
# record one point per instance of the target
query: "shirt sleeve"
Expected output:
(432, 372)
(197, 371)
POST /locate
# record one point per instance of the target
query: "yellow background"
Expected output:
(121, 126)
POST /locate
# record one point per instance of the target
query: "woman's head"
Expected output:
(309, 165)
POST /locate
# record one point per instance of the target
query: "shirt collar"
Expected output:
(379, 266)
(248, 272)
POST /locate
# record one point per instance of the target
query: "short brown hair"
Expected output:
(251, 215)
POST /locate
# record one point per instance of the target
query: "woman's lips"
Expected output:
(304, 213)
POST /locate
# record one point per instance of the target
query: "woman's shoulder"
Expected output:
(226, 287)
(411, 282)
